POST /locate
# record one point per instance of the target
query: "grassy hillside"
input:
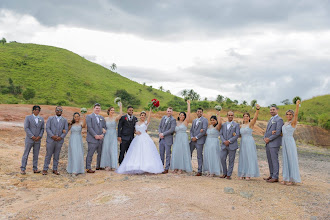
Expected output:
(59, 76)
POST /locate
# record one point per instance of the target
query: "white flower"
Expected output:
(83, 110)
(218, 107)
(117, 100)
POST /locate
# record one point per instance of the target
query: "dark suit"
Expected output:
(126, 130)
(32, 129)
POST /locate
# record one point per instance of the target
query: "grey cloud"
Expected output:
(171, 20)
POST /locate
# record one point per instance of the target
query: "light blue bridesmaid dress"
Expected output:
(211, 156)
(75, 151)
(109, 156)
(248, 161)
(181, 156)
(290, 156)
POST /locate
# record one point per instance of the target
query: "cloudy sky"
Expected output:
(268, 50)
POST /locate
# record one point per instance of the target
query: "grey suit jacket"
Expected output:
(33, 129)
(56, 128)
(195, 130)
(167, 128)
(228, 135)
(274, 125)
(94, 128)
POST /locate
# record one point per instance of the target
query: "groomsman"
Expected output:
(166, 129)
(95, 125)
(197, 135)
(34, 129)
(229, 134)
(57, 129)
(273, 143)
(126, 129)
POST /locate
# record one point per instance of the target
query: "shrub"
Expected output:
(324, 121)
(126, 98)
(29, 94)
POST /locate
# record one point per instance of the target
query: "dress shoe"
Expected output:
(272, 180)
(228, 178)
(198, 174)
(100, 168)
(36, 171)
(44, 172)
(23, 172)
(90, 171)
(223, 176)
(268, 178)
(165, 171)
(55, 172)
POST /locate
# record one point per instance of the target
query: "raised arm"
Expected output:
(218, 127)
(120, 111)
(149, 116)
(254, 120)
(186, 122)
(84, 122)
(295, 118)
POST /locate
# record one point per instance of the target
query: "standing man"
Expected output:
(34, 129)
(197, 135)
(166, 129)
(229, 134)
(126, 129)
(57, 129)
(273, 143)
(95, 125)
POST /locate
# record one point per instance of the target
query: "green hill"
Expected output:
(59, 76)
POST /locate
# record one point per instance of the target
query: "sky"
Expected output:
(250, 49)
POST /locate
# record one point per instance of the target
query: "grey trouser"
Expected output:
(92, 147)
(52, 148)
(36, 148)
(163, 147)
(223, 157)
(199, 147)
(272, 157)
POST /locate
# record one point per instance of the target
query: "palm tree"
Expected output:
(220, 98)
(161, 88)
(113, 67)
(253, 103)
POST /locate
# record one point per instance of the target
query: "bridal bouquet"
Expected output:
(153, 104)
(83, 110)
(117, 100)
(218, 107)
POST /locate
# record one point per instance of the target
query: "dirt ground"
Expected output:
(107, 195)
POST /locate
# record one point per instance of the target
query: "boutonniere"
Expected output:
(273, 122)
(126, 119)
(101, 119)
(234, 134)
(40, 120)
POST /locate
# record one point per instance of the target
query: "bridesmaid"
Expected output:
(76, 146)
(291, 173)
(109, 156)
(248, 161)
(181, 156)
(211, 159)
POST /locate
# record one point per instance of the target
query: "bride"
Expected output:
(142, 155)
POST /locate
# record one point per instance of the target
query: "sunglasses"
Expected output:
(59, 110)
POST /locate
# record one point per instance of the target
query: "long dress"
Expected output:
(290, 156)
(142, 155)
(109, 156)
(76, 151)
(181, 156)
(248, 160)
(211, 156)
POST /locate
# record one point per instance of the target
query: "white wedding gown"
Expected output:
(142, 155)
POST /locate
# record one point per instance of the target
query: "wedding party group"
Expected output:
(138, 153)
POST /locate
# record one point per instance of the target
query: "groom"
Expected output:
(273, 143)
(197, 135)
(229, 134)
(126, 129)
(166, 129)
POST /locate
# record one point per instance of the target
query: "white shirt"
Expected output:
(129, 117)
(58, 118)
(273, 117)
(35, 118)
(198, 120)
(97, 118)
(229, 124)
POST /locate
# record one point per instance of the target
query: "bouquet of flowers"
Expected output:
(186, 98)
(117, 100)
(83, 110)
(153, 104)
(218, 107)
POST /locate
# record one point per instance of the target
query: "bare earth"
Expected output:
(107, 195)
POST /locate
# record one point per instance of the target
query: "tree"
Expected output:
(229, 101)
(144, 84)
(126, 98)
(253, 103)
(184, 93)
(29, 94)
(244, 102)
(194, 96)
(220, 99)
(3, 40)
(161, 88)
(236, 102)
(113, 67)
(205, 99)
(286, 102)
(168, 91)
(294, 100)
